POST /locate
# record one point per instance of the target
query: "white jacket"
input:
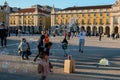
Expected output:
(23, 46)
(82, 35)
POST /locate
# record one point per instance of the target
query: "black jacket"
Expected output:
(3, 33)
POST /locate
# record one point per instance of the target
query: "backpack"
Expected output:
(46, 40)
(64, 45)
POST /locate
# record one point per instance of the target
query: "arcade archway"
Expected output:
(83, 27)
(94, 31)
(100, 29)
(88, 30)
(116, 29)
(107, 30)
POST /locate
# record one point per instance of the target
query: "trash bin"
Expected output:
(69, 66)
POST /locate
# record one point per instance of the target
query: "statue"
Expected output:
(72, 25)
(117, 2)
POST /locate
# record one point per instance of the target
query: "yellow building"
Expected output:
(2, 17)
(95, 19)
(30, 20)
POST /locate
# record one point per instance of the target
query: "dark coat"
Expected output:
(64, 44)
(3, 33)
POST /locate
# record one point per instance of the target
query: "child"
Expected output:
(64, 46)
(46, 40)
(47, 50)
(44, 66)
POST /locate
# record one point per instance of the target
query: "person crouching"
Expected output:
(23, 47)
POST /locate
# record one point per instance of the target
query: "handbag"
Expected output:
(40, 68)
(19, 52)
(50, 65)
(29, 52)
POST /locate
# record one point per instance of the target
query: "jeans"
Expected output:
(81, 44)
(65, 53)
(3, 41)
(40, 49)
(43, 77)
(24, 55)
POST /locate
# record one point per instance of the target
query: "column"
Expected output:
(97, 29)
(119, 24)
(85, 27)
(52, 20)
(104, 28)
(17, 20)
(111, 25)
(91, 27)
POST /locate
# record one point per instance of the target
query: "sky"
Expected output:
(57, 3)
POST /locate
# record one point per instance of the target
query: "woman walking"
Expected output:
(64, 46)
(82, 36)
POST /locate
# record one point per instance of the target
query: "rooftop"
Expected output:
(31, 10)
(27, 10)
(88, 7)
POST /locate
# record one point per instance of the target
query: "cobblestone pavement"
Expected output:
(16, 69)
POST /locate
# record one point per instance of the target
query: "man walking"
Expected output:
(100, 36)
(16, 31)
(81, 36)
(3, 35)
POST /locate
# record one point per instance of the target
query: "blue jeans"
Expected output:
(81, 44)
(24, 55)
(65, 53)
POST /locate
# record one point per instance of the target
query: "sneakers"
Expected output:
(34, 60)
(65, 55)
(25, 58)
(51, 70)
(81, 51)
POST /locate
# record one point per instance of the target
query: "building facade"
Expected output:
(95, 19)
(30, 20)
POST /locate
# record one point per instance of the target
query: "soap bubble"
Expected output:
(15, 52)
(5, 65)
(1, 53)
(25, 67)
(17, 66)
(4, 52)
(25, 70)
(12, 71)
(59, 45)
(55, 60)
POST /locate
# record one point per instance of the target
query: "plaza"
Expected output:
(16, 69)
(97, 20)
